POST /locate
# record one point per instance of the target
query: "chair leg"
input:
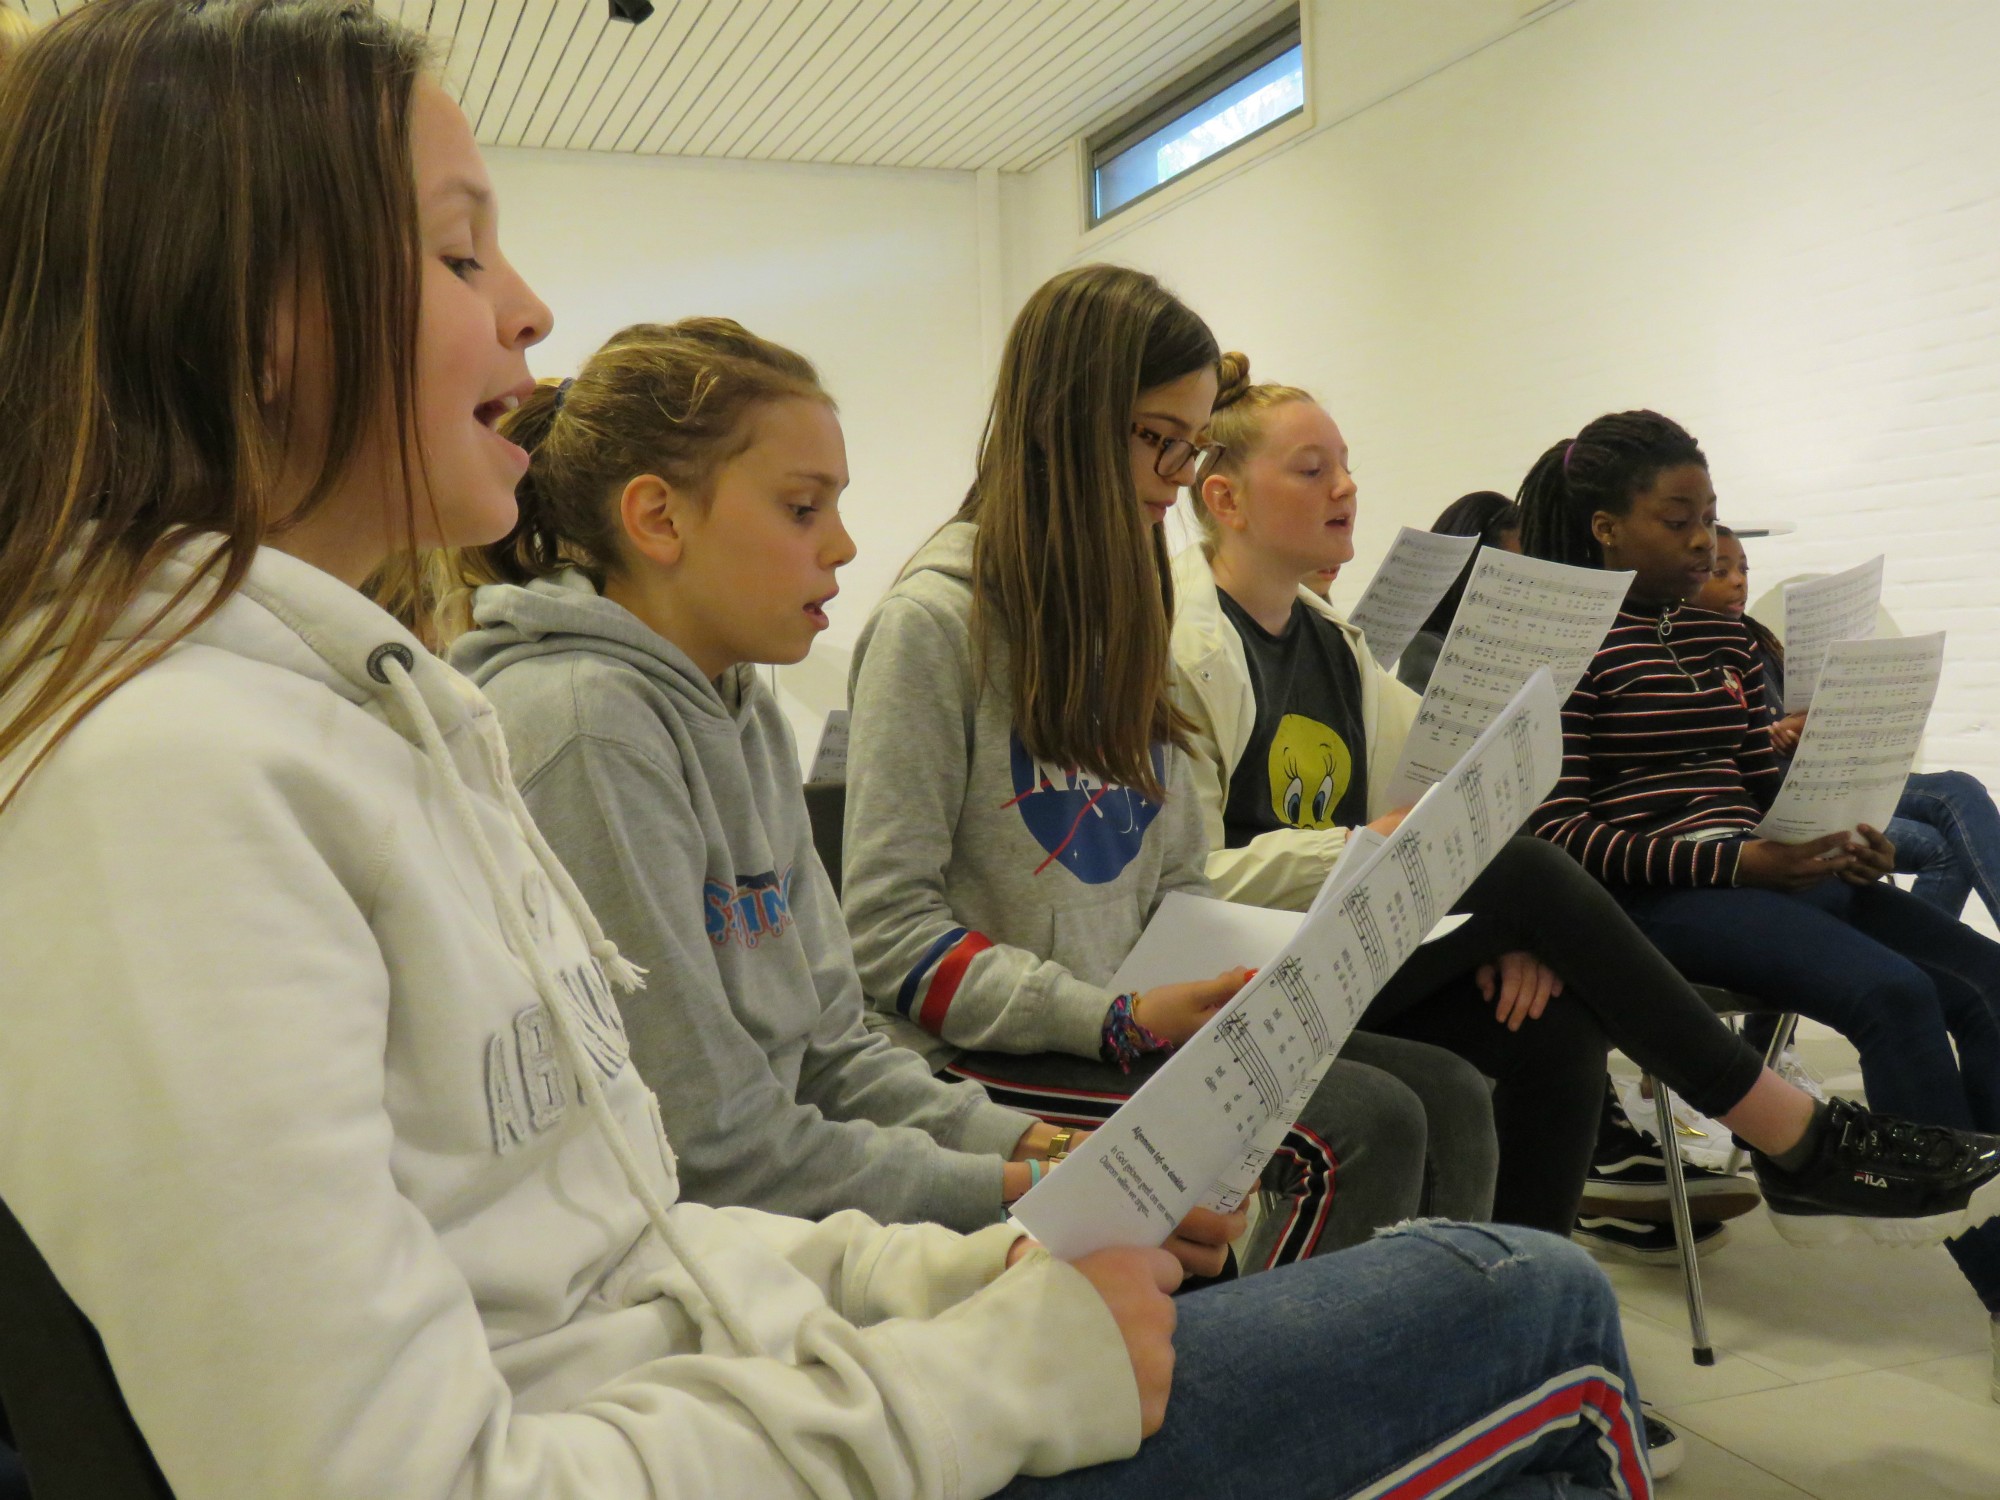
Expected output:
(1788, 1023)
(1677, 1201)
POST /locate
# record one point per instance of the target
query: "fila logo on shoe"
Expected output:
(1869, 1179)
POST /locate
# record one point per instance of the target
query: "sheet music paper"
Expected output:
(830, 759)
(1519, 613)
(1194, 937)
(1197, 937)
(1861, 738)
(1361, 842)
(1839, 607)
(1420, 566)
(1201, 1128)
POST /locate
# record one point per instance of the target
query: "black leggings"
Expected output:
(1549, 1076)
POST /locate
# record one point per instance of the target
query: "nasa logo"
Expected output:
(1092, 828)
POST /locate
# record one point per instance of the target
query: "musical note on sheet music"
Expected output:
(1420, 567)
(1861, 738)
(1201, 1127)
(1519, 613)
(1820, 611)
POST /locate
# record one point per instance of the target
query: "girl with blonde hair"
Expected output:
(680, 525)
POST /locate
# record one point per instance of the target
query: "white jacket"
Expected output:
(1283, 868)
(317, 1101)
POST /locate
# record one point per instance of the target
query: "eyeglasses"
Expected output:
(1175, 454)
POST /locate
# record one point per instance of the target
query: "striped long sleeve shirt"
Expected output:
(1665, 736)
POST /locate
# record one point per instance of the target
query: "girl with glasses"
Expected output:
(1019, 800)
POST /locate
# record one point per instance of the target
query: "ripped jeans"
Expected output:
(1437, 1359)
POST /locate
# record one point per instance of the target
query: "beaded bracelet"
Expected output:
(1125, 1039)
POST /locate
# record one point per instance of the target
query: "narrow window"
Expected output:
(1230, 99)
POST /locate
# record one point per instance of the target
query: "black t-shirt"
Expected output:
(1306, 765)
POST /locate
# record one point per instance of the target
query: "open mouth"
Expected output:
(489, 413)
(816, 610)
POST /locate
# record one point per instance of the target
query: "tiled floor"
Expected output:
(1857, 1373)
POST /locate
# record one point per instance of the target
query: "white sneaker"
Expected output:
(1664, 1448)
(1703, 1142)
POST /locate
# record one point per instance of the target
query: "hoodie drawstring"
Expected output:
(618, 969)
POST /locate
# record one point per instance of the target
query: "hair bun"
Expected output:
(1233, 373)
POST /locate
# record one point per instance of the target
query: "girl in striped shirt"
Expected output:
(1667, 769)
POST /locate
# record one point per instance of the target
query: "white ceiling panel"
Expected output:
(904, 83)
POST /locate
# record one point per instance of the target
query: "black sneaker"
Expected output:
(1664, 1448)
(1628, 1177)
(1899, 1183)
(1647, 1244)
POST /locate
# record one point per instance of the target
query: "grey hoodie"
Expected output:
(682, 819)
(990, 898)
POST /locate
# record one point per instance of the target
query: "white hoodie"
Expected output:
(317, 1102)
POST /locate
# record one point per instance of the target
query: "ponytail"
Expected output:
(1605, 467)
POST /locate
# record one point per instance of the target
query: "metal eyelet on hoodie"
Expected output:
(386, 650)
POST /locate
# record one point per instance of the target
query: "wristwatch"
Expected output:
(1059, 1145)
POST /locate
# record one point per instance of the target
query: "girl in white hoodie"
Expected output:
(318, 1102)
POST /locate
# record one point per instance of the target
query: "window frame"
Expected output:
(1222, 70)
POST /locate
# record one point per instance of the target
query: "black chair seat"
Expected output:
(76, 1437)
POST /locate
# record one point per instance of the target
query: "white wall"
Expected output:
(873, 274)
(1778, 222)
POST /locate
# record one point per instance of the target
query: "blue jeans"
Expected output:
(1947, 833)
(1894, 975)
(1437, 1359)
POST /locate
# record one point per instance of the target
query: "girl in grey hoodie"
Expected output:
(656, 562)
(1020, 802)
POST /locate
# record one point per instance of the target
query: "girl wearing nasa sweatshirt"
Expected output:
(1019, 796)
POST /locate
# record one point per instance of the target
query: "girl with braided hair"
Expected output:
(1667, 769)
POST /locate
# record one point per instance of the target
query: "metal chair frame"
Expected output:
(1728, 1004)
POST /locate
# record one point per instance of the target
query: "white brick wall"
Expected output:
(1778, 221)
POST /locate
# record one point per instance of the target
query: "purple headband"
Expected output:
(1566, 453)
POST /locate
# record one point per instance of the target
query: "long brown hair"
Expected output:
(171, 175)
(1065, 570)
(671, 399)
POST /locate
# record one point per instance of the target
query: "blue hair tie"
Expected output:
(562, 392)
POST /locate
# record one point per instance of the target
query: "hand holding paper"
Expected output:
(1867, 721)
(1199, 1129)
